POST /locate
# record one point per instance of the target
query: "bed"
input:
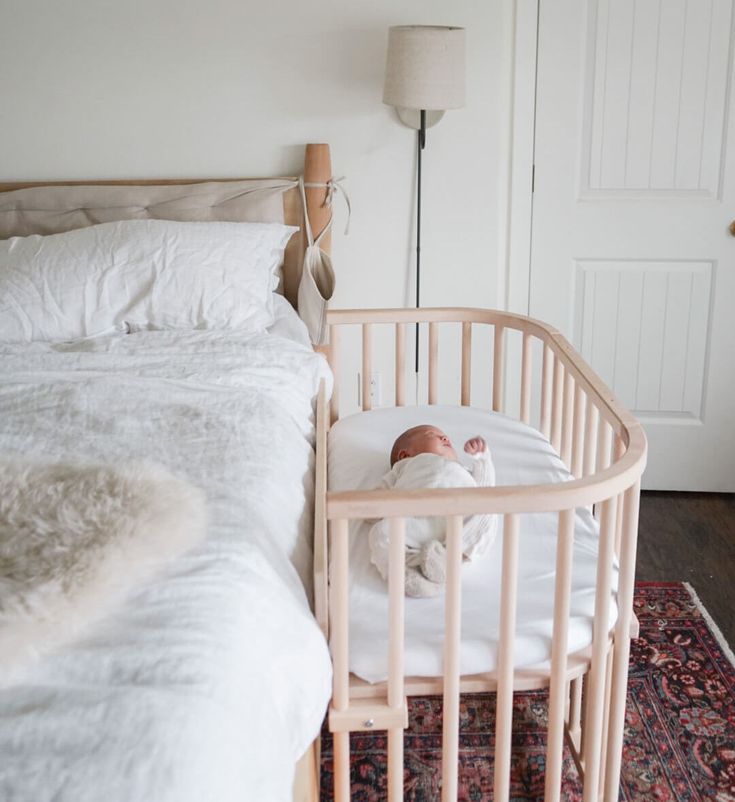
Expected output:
(211, 680)
(548, 606)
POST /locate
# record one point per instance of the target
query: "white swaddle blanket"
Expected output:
(432, 471)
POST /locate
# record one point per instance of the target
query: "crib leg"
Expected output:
(595, 702)
(504, 704)
(396, 698)
(395, 765)
(558, 684)
(605, 720)
(341, 741)
(452, 636)
(575, 713)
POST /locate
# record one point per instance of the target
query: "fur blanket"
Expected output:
(75, 538)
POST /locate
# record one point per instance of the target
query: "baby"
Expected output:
(423, 457)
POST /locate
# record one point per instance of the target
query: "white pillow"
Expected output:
(139, 274)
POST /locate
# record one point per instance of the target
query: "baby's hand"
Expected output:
(475, 445)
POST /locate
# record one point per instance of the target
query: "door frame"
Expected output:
(515, 246)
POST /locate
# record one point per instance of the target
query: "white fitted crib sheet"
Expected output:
(359, 446)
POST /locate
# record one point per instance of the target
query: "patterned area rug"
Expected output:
(679, 734)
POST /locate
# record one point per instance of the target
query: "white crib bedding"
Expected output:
(211, 680)
(359, 446)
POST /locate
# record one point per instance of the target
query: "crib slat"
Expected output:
(556, 405)
(558, 684)
(526, 366)
(340, 655)
(604, 444)
(498, 367)
(596, 677)
(567, 419)
(452, 636)
(590, 439)
(618, 451)
(580, 399)
(334, 333)
(433, 361)
(367, 364)
(547, 371)
(466, 363)
(622, 641)
(400, 364)
(396, 596)
(504, 709)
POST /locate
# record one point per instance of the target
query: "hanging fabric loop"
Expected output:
(317, 276)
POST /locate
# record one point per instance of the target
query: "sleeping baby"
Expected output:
(423, 457)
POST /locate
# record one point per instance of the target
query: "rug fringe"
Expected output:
(719, 637)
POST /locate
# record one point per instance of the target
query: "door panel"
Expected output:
(631, 254)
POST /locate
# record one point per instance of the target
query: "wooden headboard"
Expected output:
(26, 209)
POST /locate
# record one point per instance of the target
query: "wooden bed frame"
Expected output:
(317, 172)
(605, 450)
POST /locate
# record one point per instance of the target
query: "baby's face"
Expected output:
(429, 440)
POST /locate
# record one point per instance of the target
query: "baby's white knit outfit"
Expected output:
(425, 537)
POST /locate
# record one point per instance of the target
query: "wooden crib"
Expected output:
(604, 448)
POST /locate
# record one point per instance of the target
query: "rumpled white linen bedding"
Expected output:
(212, 680)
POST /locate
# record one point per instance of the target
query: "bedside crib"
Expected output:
(604, 449)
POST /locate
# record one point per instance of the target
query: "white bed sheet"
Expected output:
(359, 448)
(211, 680)
(287, 323)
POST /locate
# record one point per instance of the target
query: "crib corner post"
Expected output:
(321, 539)
(339, 600)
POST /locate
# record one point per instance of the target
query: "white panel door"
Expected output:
(632, 257)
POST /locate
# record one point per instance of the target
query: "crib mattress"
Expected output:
(359, 446)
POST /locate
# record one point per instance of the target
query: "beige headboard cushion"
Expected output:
(53, 208)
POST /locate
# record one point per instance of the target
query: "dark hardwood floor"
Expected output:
(690, 537)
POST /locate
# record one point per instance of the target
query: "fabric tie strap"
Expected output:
(332, 186)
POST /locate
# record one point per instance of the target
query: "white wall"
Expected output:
(170, 88)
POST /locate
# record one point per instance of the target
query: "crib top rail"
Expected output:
(490, 500)
(609, 407)
(604, 483)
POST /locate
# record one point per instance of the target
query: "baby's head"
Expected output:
(422, 439)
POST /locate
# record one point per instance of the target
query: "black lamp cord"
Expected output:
(421, 143)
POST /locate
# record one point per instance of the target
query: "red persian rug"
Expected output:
(679, 733)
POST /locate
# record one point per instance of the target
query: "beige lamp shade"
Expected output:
(425, 67)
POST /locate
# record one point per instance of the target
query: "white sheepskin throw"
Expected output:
(75, 538)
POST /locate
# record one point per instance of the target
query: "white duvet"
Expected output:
(212, 680)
